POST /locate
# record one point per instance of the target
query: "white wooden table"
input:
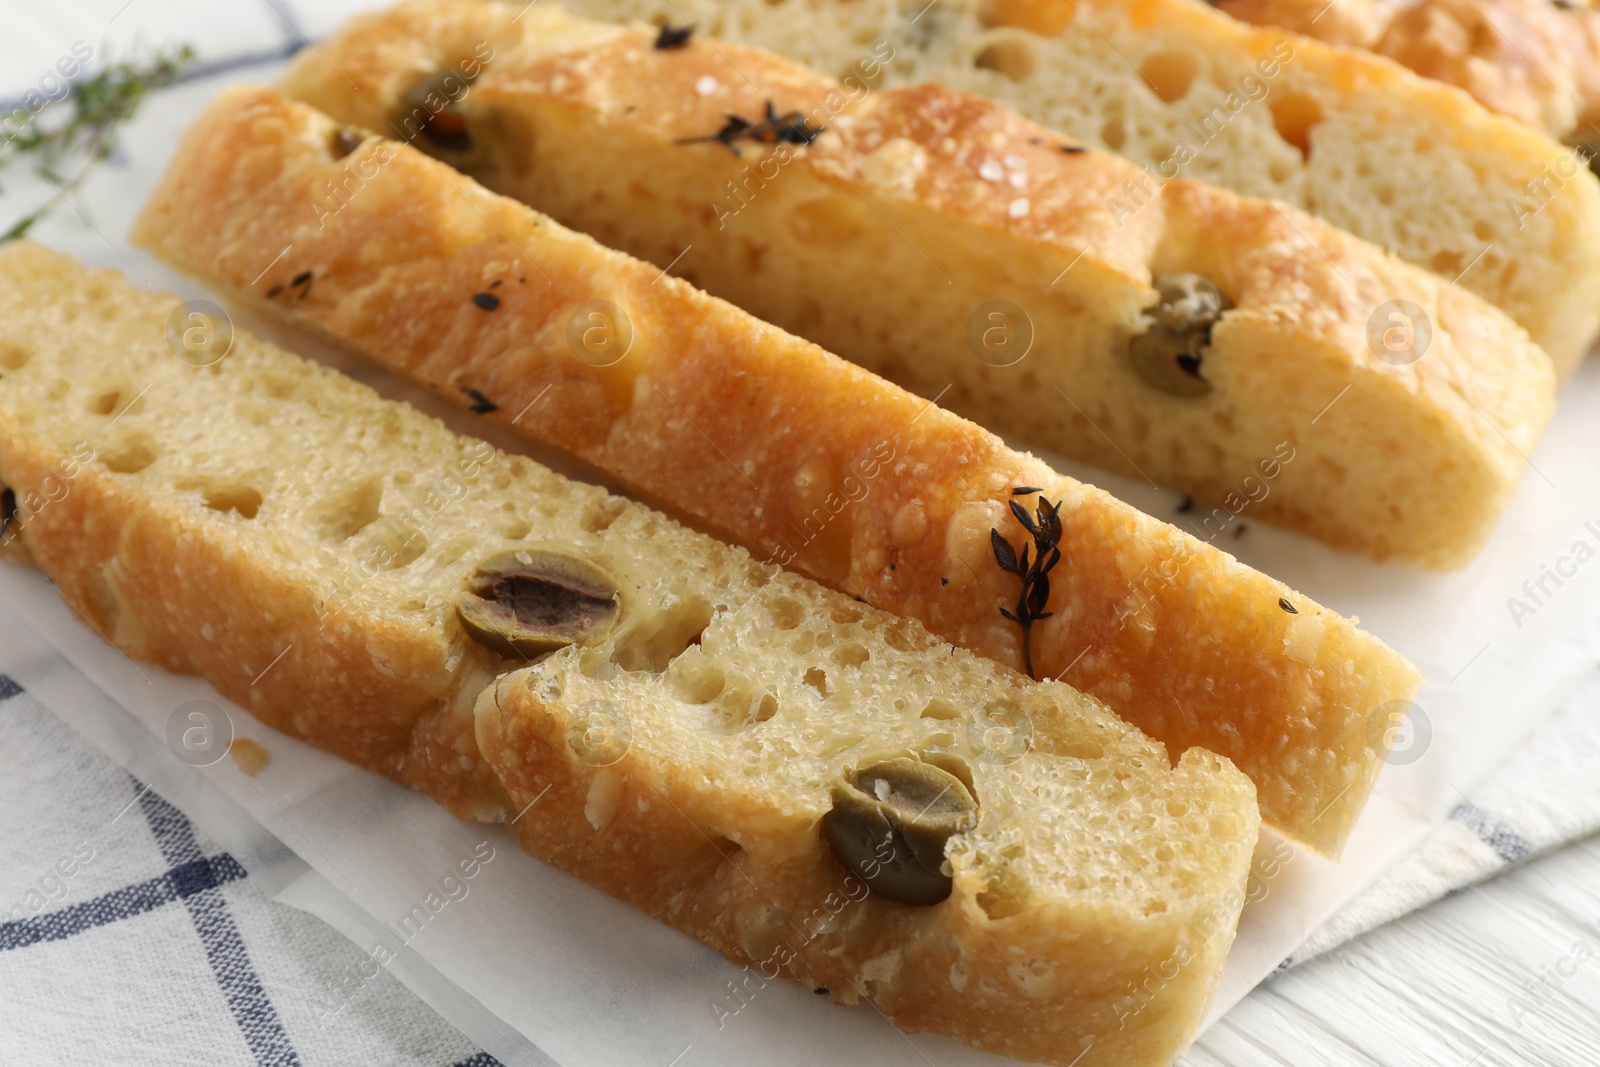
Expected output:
(1503, 975)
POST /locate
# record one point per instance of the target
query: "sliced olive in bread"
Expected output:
(687, 754)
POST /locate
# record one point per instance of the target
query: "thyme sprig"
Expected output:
(1045, 528)
(94, 109)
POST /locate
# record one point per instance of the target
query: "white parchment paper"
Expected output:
(529, 959)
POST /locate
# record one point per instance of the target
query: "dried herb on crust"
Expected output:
(481, 404)
(790, 127)
(1044, 527)
(672, 37)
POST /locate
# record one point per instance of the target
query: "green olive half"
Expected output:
(429, 116)
(890, 822)
(533, 601)
(1169, 353)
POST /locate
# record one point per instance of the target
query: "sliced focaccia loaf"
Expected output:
(1534, 60)
(810, 461)
(1185, 91)
(361, 577)
(943, 241)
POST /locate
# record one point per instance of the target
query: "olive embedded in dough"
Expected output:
(1169, 354)
(533, 601)
(890, 823)
(431, 120)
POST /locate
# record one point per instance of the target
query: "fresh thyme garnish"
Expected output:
(790, 127)
(1045, 529)
(94, 108)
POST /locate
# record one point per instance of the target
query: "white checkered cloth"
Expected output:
(126, 937)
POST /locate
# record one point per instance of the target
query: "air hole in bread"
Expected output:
(1294, 116)
(105, 403)
(786, 613)
(224, 494)
(350, 509)
(696, 679)
(1006, 894)
(1014, 59)
(516, 529)
(942, 709)
(742, 707)
(1170, 74)
(1114, 133)
(398, 548)
(277, 387)
(1483, 230)
(670, 635)
(14, 355)
(599, 517)
(1447, 263)
(1084, 748)
(851, 655)
(817, 678)
(894, 635)
(130, 455)
(847, 614)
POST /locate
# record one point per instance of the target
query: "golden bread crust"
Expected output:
(1532, 60)
(1074, 229)
(1394, 158)
(663, 846)
(809, 461)
(1088, 867)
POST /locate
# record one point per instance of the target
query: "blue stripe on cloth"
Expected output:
(196, 71)
(481, 1059)
(252, 1009)
(8, 687)
(1506, 842)
(183, 881)
(285, 17)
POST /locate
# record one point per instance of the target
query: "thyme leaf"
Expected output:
(82, 126)
(1044, 528)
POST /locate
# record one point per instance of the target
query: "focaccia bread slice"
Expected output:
(1185, 91)
(1534, 60)
(943, 241)
(811, 462)
(361, 577)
